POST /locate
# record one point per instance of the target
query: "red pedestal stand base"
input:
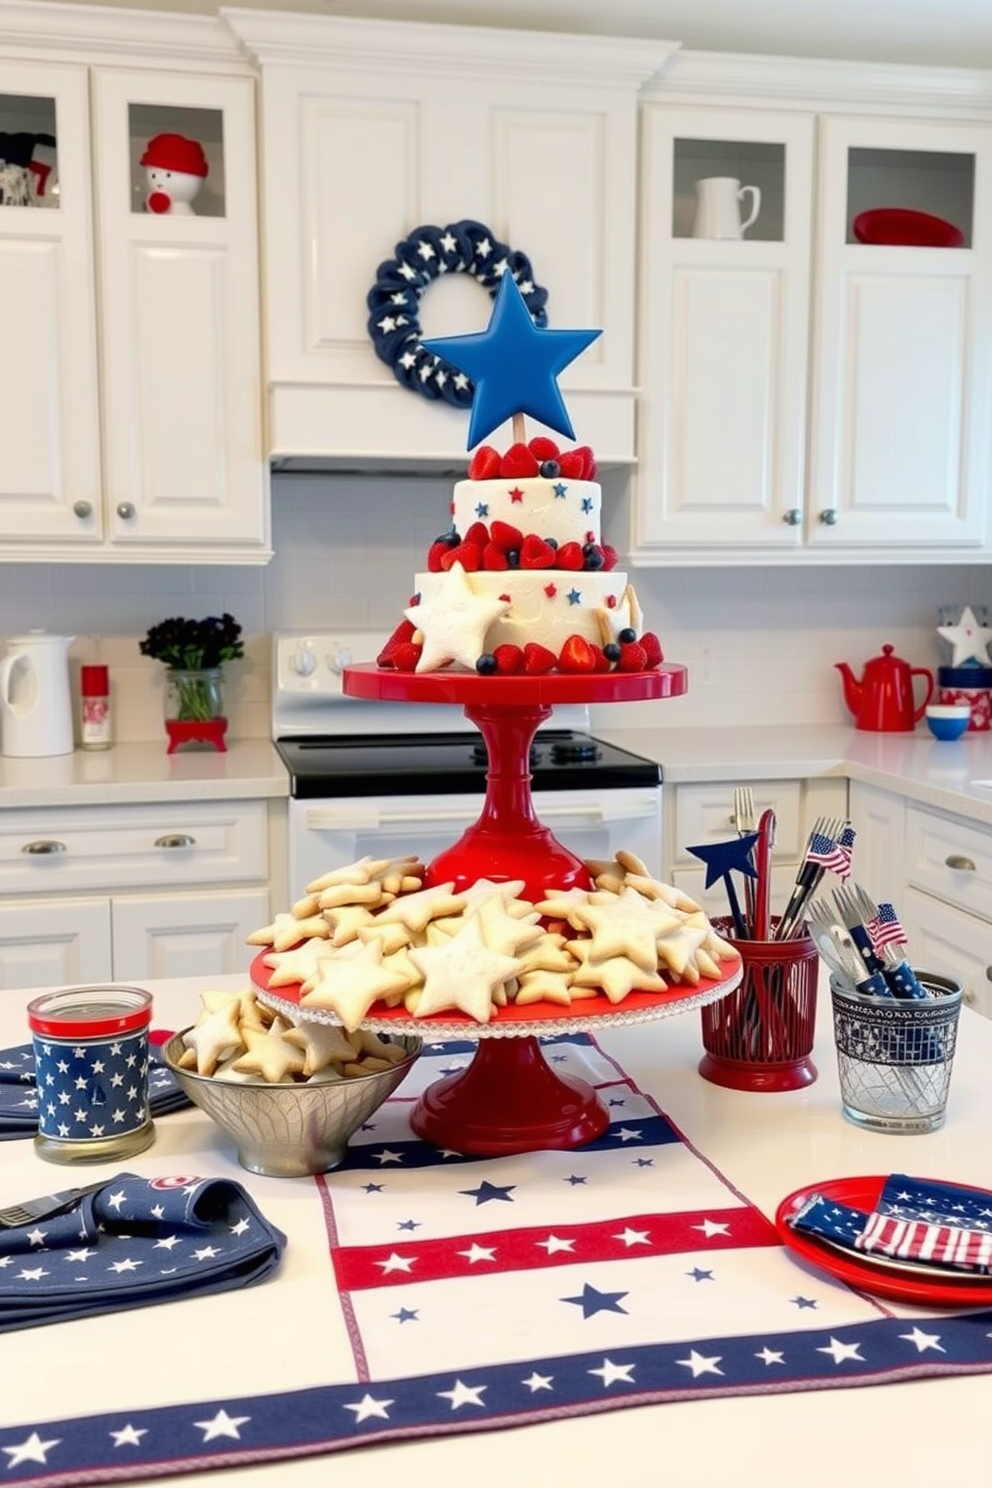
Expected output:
(196, 731)
(508, 1100)
(739, 1074)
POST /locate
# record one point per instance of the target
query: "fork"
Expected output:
(14, 1215)
(744, 822)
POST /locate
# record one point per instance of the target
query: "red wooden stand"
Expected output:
(509, 1099)
(196, 731)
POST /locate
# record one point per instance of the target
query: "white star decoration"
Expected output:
(611, 1373)
(31, 1449)
(222, 1425)
(454, 622)
(970, 641)
(368, 1406)
(461, 1394)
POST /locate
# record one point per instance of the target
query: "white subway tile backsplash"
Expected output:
(760, 643)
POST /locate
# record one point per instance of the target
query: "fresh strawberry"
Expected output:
(538, 659)
(505, 537)
(542, 449)
(478, 533)
(536, 553)
(603, 662)
(571, 464)
(435, 553)
(406, 656)
(609, 557)
(469, 555)
(484, 464)
(589, 470)
(570, 556)
(404, 632)
(518, 461)
(493, 557)
(651, 647)
(577, 655)
(633, 658)
(509, 659)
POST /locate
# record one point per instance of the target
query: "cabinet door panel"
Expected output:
(54, 943)
(952, 944)
(203, 937)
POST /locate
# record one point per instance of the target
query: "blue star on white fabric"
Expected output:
(592, 1301)
(514, 365)
(487, 1192)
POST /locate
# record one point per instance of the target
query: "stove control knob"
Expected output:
(340, 658)
(302, 662)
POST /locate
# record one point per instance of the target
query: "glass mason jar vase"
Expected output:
(194, 708)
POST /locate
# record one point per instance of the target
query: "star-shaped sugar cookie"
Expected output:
(416, 911)
(505, 932)
(321, 1044)
(215, 1037)
(271, 1056)
(349, 983)
(454, 622)
(616, 976)
(297, 965)
(461, 975)
(281, 934)
(626, 924)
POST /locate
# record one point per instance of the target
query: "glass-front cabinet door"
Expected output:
(899, 452)
(49, 407)
(723, 333)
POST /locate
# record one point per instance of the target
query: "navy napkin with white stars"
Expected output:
(134, 1242)
(944, 1225)
(19, 1093)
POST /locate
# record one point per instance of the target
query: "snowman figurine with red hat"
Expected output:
(175, 170)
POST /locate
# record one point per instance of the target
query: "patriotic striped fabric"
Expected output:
(826, 853)
(885, 929)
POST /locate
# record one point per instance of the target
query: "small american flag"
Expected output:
(884, 928)
(828, 854)
(845, 842)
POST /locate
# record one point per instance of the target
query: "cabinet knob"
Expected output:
(175, 839)
(82, 509)
(792, 517)
(44, 845)
(988, 973)
(965, 865)
(829, 517)
(125, 510)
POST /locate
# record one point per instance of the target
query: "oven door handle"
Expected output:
(331, 819)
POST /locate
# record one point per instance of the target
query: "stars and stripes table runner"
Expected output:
(454, 1294)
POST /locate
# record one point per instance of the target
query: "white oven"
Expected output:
(387, 779)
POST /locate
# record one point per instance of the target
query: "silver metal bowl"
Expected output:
(289, 1130)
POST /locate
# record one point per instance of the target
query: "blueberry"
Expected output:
(552, 542)
(626, 636)
(513, 557)
(549, 469)
(486, 664)
(611, 651)
(593, 557)
(449, 538)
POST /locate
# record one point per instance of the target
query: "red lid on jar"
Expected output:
(94, 681)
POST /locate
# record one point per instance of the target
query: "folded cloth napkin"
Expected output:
(937, 1224)
(19, 1096)
(134, 1242)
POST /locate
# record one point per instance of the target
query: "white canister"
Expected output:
(35, 696)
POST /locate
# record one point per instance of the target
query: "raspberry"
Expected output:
(609, 557)
(494, 557)
(518, 461)
(577, 655)
(404, 632)
(535, 553)
(542, 448)
(538, 659)
(589, 470)
(603, 663)
(509, 659)
(484, 464)
(478, 533)
(570, 556)
(406, 656)
(633, 658)
(505, 537)
(435, 553)
(469, 555)
(651, 646)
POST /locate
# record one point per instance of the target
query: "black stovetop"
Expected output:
(446, 763)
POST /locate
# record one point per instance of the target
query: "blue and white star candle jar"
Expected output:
(91, 1073)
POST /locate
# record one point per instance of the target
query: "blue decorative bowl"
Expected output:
(948, 720)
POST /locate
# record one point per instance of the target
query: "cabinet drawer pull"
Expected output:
(988, 973)
(126, 510)
(793, 517)
(44, 845)
(176, 839)
(82, 509)
(965, 864)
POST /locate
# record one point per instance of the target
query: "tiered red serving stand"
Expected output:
(508, 1098)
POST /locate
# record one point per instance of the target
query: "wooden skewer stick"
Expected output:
(519, 431)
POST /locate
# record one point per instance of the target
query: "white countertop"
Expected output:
(768, 1145)
(144, 773)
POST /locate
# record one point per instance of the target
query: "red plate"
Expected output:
(902, 228)
(870, 1273)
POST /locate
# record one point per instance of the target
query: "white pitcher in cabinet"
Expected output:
(35, 696)
(718, 207)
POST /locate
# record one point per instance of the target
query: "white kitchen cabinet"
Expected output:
(130, 892)
(879, 818)
(806, 397)
(132, 412)
(373, 128)
(703, 814)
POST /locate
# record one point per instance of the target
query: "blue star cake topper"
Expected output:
(514, 365)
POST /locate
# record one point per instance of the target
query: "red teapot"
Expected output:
(883, 701)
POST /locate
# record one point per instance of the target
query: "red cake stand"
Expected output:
(508, 1098)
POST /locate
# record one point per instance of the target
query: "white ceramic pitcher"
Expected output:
(718, 207)
(35, 696)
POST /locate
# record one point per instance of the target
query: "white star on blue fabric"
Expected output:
(515, 366)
